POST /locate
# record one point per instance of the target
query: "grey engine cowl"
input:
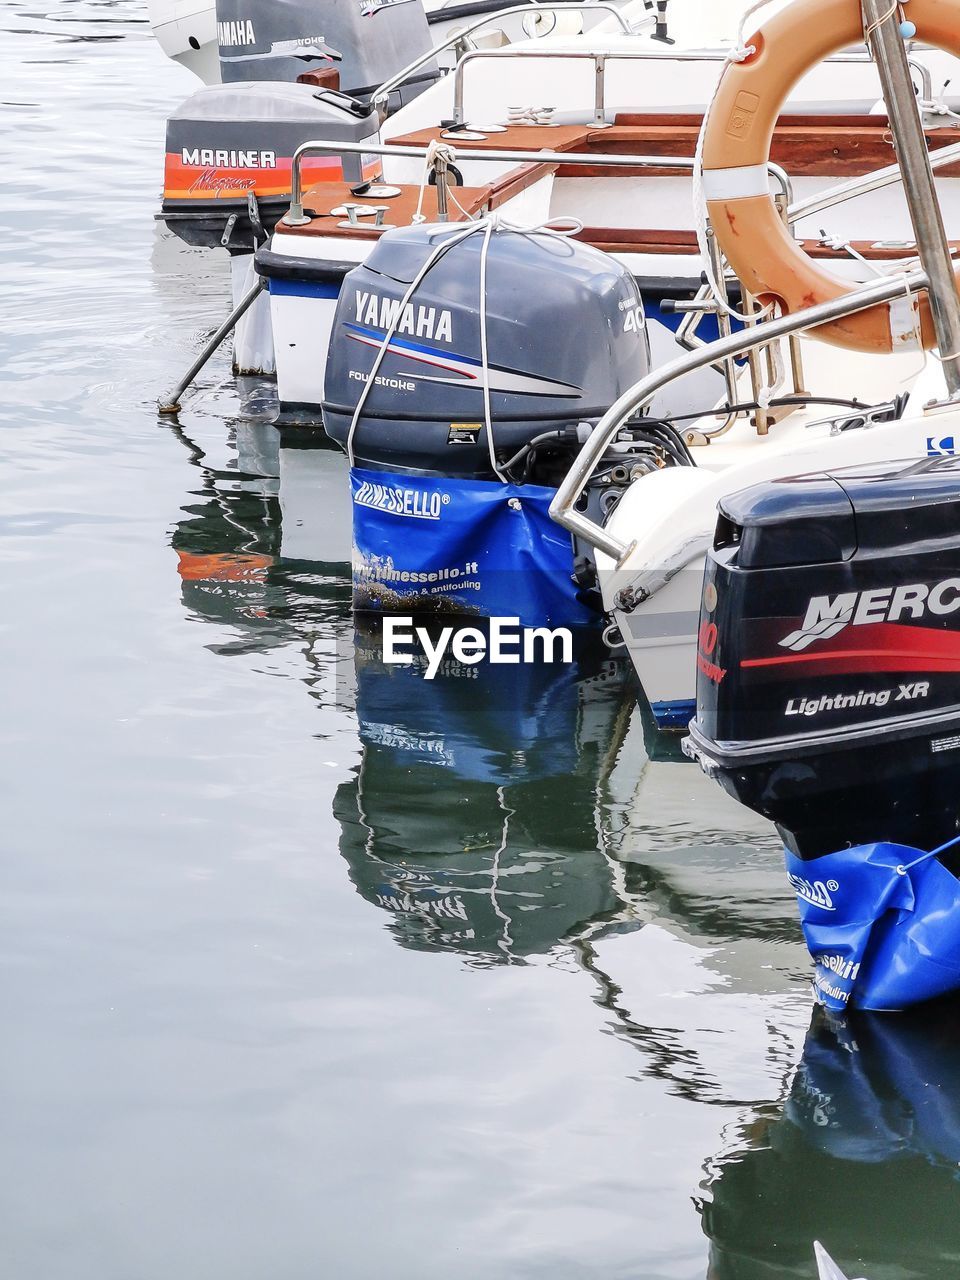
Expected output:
(565, 334)
(365, 42)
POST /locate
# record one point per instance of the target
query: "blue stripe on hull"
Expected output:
(674, 715)
(303, 289)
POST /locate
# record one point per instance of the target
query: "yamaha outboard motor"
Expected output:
(446, 518)
(828, 700)
(366, 41)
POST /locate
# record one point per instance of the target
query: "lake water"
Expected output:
(311, 968)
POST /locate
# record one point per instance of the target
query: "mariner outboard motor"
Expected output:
(227, 177)
(230, 151)
(828, 700)
(235, 140)
(230, 146)
(450, 516)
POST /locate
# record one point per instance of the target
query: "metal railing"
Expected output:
(295, 216)
(381, 94)
(562, 508)
(889, 176)
(601, 57)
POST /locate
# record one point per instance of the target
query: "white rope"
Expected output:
(878, 22)
(740, 51)
(838, 244)
(484, 366)
(471, 217)
(434, 148)
(939, 107)
(368, 386)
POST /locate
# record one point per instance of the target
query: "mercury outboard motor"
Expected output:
(447, 519)
(828, 700)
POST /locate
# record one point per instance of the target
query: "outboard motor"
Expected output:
(448, 515)
(293, 70)
(227, 176)
(828, 700)
(366, 42)
(230, 151)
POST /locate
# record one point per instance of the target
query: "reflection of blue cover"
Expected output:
(883, 1090)
(836, 1103)
(484, 724)
(882, 922)
(443, 545)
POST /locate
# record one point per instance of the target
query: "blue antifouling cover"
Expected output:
(428, 544)
(882, 923)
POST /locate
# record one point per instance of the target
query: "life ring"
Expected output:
(736, 150)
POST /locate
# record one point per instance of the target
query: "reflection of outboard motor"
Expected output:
(829, 701)
(366, 42)
(472, 820)
(446, 519)
(863, 1156)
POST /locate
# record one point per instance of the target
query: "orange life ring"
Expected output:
(736, 151)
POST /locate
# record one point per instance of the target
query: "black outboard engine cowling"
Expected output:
(828, 694)
(559, 336)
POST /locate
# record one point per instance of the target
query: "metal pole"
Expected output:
(882, 22)
(171, 403)
(442, 176)
(599, 91)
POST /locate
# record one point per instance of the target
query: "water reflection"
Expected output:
(497, 811)
(510, 815)
(473, 818)
(863, 1154)
(263, 545)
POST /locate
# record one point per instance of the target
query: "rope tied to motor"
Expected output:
(488, 225)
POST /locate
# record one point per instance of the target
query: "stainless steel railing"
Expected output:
(295, 216)
(887, 177)
(562, 509)
(381, 94)
(601, 57)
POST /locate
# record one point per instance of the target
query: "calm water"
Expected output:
(310, 968)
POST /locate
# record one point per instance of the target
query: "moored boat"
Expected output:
(827, 409)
